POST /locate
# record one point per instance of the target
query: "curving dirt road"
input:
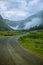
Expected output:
(11, 53)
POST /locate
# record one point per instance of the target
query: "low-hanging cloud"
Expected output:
(33, 23)
(14, 28)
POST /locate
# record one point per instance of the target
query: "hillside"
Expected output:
(3, 25)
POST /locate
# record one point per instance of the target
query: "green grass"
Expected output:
(10, 33)
(33, 42)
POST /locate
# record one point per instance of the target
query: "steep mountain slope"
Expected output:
(3, 25)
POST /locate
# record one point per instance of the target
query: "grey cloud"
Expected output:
(26, 6)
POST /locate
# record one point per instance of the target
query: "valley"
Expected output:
(21, 32)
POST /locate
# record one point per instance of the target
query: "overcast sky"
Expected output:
(19, 9)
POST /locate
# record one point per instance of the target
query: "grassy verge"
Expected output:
(10, 33)
(33, 41)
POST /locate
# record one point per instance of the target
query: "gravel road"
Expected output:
(11, 53)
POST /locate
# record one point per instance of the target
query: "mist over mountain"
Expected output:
(32, 21)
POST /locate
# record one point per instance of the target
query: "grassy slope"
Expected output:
(33, 41)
